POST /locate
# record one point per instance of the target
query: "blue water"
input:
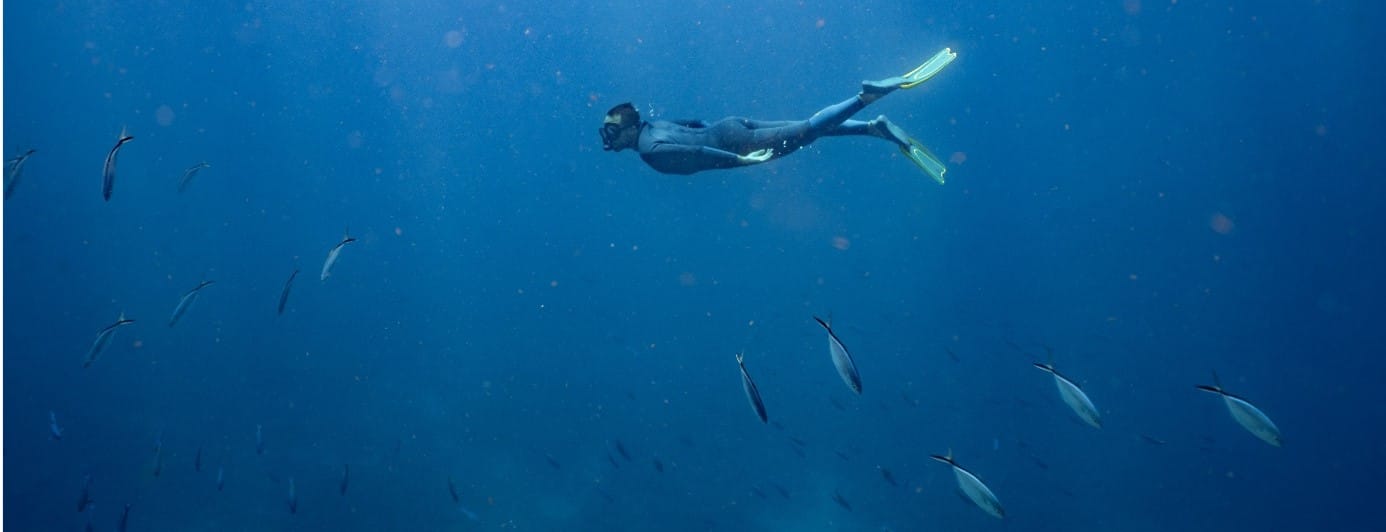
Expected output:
(1153, 190)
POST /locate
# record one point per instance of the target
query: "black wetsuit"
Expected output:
(688, 146)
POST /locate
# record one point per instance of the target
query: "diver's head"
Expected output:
(621, 128)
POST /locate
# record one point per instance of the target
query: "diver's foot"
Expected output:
(874, 90)
(882, 127)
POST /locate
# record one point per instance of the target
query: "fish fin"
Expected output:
(824, 323)
(947, 459)
(740, 359)
(1212, 389)
(1048, 368)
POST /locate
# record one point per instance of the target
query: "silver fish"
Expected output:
(108, 171)
(103, 339)
(332, 256)
(189, 174)
(1247, 415)
(973, 488)
(14, 168)
(752, 393)
(284, 294)
(186, 302)
(1074, 396)
(841, 359)
(54, 431)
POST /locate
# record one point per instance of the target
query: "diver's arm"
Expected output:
(690, 158)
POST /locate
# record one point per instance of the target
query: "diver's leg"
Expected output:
(792, 135)
(766, 124)
(852, 128)
(832, 120)
(833, 115)
(881, 128)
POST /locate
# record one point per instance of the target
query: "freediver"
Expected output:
(689, 146)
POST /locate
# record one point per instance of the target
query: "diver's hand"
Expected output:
(758, 156)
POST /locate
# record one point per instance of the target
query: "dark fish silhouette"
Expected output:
(658, 465)
(284, 294)
(621, 450)
(103, 339)
(186, 302)
(752, 393)
(14, 168)
(85, 499)
(189, 174)
(837, 498)
(346, 478)
(452, 490)
(889, 478)
(124, 519)
(605, 495)
(108, 170)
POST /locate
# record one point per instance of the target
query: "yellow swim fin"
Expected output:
(927, 70)
(925, 160)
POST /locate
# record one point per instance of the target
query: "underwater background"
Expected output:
(1152, 191)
